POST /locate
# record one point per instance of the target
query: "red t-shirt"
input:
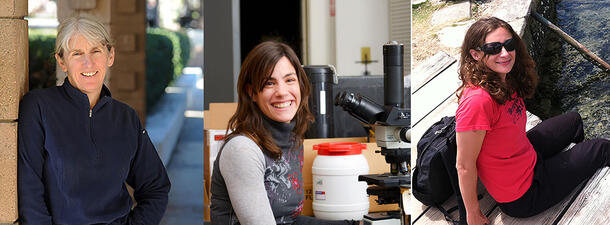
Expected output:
(506, 162)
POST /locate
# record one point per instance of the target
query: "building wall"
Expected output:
(360, 23)
(320, 33)
(338, 29)
(13, 84)
(400, 28)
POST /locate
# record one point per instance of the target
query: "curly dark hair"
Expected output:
(255, 71)
(523, 77)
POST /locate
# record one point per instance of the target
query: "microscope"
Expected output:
(392, 123)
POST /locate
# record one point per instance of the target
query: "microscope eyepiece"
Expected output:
(364, 109)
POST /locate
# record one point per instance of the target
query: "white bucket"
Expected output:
(337, 193)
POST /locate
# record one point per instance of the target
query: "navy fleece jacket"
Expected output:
(73, 162)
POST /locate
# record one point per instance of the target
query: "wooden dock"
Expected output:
(433, 84)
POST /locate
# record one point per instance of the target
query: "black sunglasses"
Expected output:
(496, 47)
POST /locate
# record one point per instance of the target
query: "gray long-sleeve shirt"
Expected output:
(249, 187)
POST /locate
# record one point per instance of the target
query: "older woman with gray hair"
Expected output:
(79, 147)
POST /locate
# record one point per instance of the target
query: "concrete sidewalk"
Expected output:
(185, 168)
(175, 127)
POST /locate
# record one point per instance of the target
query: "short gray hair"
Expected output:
(91, 29)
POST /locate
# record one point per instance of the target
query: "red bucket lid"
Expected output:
(340, 148)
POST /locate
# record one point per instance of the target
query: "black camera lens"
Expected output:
(359, 106)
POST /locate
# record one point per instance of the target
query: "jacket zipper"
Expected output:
(97, 154)
(91, 126)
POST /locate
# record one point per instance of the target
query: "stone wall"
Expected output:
(538, 33)
(539, 43)
(13, 84)
(126, 20)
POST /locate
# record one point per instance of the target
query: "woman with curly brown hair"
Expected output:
(257, 176)
(526, 173)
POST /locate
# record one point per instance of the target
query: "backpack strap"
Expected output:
(446, 121)
(438, 133)
(449, 159)
(447, 214)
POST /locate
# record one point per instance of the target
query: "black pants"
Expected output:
(557, 173)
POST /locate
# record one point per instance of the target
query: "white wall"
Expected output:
(320, 33)
(400, 28)
(360, 23)
(337, 40)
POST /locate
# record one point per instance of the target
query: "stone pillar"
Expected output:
(13, 84)
(126, 20)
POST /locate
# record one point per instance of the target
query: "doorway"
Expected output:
(278, 20)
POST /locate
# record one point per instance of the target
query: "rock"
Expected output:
(415, 2)
(532, 120)
(451, 13)
(454, 36)
(508, 10)
(518, 25)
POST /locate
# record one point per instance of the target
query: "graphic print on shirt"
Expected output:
(278, 179)
(516, 109)
(296, 212)
(295, 184)
(284, 184)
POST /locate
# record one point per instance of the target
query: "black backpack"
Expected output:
(435, 176)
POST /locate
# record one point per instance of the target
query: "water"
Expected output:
(569, 82)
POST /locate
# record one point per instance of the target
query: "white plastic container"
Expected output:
(337, 193)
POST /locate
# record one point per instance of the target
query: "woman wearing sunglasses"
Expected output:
(526, 173)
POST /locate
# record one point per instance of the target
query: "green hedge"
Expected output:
(167, 53)
(41, 58)
(159, 67)
(185, 48)
(181, 45)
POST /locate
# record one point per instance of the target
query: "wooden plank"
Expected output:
(426, 98)
(432, 81)
(447, 108)
(407, 198)
(437, 91)
(549, 216)
(432, 67)
(592, 206)
(435, 216)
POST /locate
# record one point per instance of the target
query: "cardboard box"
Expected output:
(215, 124)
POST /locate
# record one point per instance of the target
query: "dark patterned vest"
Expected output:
(283, 179)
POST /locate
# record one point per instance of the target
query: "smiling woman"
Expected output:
(257, 175)
(281, 95)
(84, 56)
(78, 146)
(525, 172)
